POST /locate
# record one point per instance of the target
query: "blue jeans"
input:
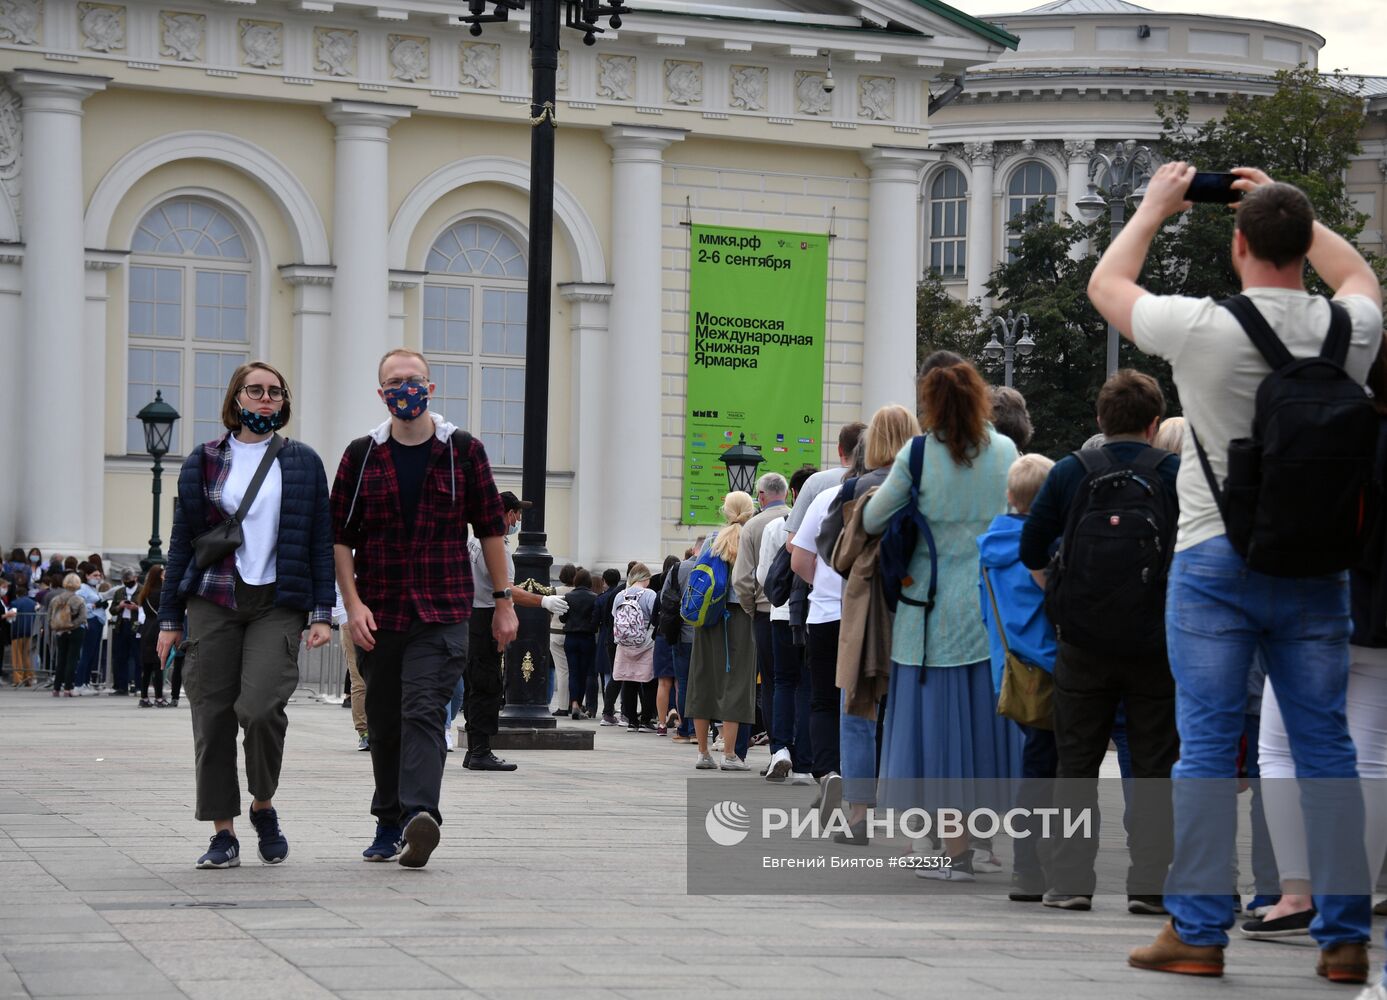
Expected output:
(765, 668)
(1218, 614)
(90, 661)
(791, 713)
(581, 650)
(683, 653)
(455, 704)
(857, 755)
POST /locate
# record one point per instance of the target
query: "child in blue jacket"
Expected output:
(1021, 608)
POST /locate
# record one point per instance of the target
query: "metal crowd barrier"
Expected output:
(35, 625)
(322, 671)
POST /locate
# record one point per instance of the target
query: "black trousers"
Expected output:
(823, 696)
(410, 677)
(765, 666)
(483, 682)
(1089, 687)
(151, 672)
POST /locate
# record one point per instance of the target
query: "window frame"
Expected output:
(1028, 200)
(959, 240)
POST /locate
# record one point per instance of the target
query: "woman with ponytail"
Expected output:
(722, 672)
(943, 741)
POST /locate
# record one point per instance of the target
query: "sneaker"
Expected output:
(681, 739)
(633, 729)
(363, 743)
(1146, 905)
(608, 720)
(559, 713)
(830, 795)
(485, 760)
(1025, 890)
(420, 839)
(160, 703)
(672, 719)
(801, 778)
(83, 691)
(386, 846)
(448, 739)
(760, 740)
(173, 703)
(146, 703)
(1346, 962)
(1067, 901)
(346, 701)
(1377, 992)
(780, 766)
(856, 835)
(705, 762)
(646, 727)
(661, 730)
(733, 764)
(117, 692)
(223, 852)
(985, 861)
(1292, 925)
(1261, 905)
(959, 869)
(67, 694)
(1381, 908)
(273, 847)
(1169, 954)
(576, 715)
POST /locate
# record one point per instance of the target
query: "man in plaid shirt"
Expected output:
(401, 506)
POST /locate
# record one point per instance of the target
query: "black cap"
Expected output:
(513, 502)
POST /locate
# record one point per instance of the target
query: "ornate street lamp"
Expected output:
(1122, 175)
(1009, 345)
(158, 418)
(741, 461)
(527, 691)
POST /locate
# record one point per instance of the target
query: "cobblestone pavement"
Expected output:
(564, 879)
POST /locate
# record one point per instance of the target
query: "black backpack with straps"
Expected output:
(1106, 586)
(1300, 498)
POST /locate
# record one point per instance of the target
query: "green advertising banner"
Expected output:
(757, 300)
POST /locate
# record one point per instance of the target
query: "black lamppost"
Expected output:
(1121, 176)
(1009, 346)
(527, 703)
(158, 418)
(741, 461)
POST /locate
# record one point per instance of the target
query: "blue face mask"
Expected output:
(407, 401)
(260, 423)
(514, 529)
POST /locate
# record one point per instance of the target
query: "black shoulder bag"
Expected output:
(225, 537)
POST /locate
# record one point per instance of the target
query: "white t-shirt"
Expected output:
(255, 559)
(826, 599)
(481, 576)
(1218, 370)
(812, 487)
(772, 541)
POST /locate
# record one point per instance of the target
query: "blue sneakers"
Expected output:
(386, 846)
(273, 847)
(223, 852)
(421, 837)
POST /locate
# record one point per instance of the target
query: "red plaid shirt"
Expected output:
(426, 577)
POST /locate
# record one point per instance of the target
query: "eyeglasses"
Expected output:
(395, 383)
(260, 392)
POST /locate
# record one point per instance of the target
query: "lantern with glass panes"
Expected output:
(741, 461)
(158, 418)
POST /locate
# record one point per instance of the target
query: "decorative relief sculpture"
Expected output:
(336, 51)
(10, 129)
(749, 86)
(181, 35)
(683, 82)
(978, 153)
(876, 98)
(810, 96)
(103, 26)
(20, 20)
(561, 76)
(1080, 151)
(409, 57)
(481, 62)
(262, 43)
(616, 75)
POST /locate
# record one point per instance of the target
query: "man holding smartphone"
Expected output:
(1220, 612)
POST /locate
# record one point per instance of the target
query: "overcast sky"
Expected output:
(1356, 30)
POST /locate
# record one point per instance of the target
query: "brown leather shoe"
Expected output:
(1344, 963)
(1169, 954)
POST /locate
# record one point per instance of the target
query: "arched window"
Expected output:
(1031, 183)
(948, 223)
(474, 334)
(190, 320)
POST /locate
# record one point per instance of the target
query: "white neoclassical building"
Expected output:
(184, 186)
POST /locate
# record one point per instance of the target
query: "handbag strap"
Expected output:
(987, 580)
(263, 470)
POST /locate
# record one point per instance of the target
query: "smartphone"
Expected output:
(1213, 189)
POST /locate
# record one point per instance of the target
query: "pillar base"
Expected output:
(570, 738)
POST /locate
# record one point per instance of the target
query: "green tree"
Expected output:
(945, 323)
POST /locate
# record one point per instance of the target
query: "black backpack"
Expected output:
(1106, 586)
(1300, 498)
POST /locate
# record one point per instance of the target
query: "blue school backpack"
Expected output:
(704, 600)
(906, 529)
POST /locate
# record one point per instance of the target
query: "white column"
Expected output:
(53, 303)
(632, 443)
(1077, 154)
(893, 270)
(95, 360)
(361, 285)
(590, 318)
(13, 405)
(980, 228)
(312, 285)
